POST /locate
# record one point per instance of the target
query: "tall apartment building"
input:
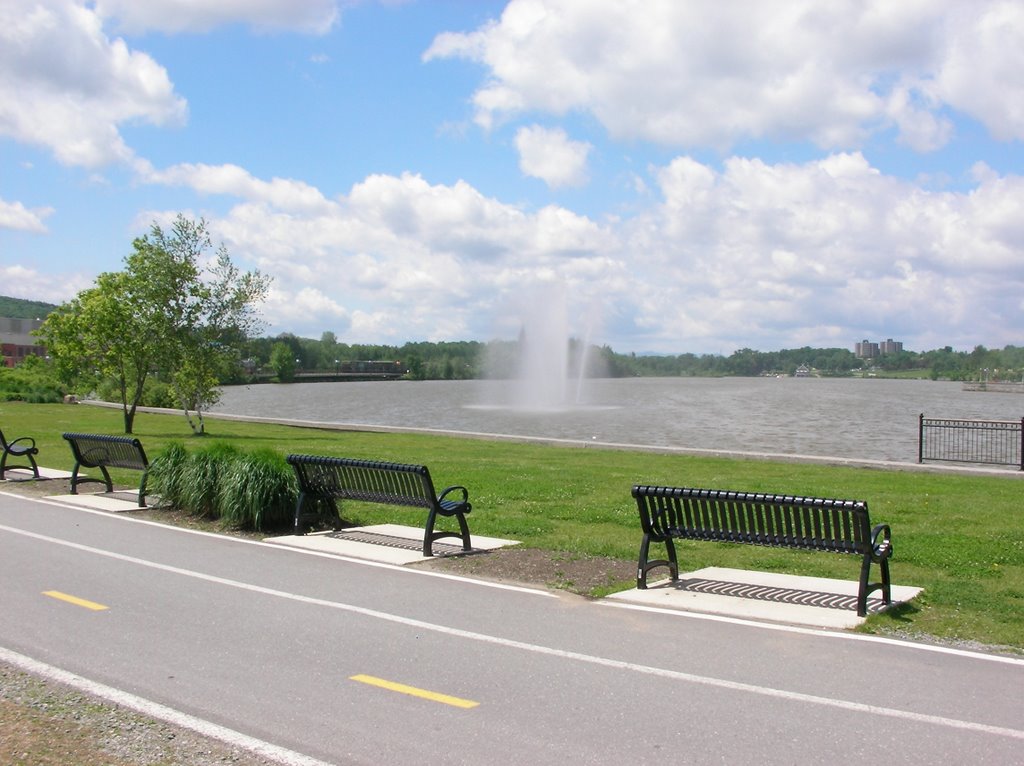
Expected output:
(867, 349)
(891, 346)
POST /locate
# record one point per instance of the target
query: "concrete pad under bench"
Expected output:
(118, 501)
(387, 543)
(25, 474)
(813, 601)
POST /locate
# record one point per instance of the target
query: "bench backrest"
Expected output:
(760, 519)
(367, 480)
(95, 450)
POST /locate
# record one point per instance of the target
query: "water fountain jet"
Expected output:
(549, 368)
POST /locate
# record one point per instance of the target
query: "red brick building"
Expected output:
(17, 341)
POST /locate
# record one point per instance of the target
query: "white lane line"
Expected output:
(159, 712)
(817, 632)
(765, 691)
(290, 549)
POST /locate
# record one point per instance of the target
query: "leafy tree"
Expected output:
(213, 327)
(99, 334)
(416, 369)
(160, 315)
(282, 361)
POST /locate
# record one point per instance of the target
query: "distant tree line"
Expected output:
(283, 356)
(239, 358)
(17, 308)
(463, 360)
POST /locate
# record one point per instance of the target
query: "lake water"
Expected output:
(867, 419)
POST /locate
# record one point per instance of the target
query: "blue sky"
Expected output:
(673, 176)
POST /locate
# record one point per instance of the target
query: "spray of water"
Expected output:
(550, 370)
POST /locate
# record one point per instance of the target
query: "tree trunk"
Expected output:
(129, 418)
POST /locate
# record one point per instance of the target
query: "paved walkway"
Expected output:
(740, 594)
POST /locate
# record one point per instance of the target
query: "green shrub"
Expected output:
(156, 393)
(257, 491)
(199, 478)
(165, 473)
(31, 382)
(246, 490)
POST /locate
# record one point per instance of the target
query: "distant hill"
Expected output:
(16, 308)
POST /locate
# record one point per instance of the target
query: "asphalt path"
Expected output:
(351, 662)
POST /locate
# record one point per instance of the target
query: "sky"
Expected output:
(658, 176)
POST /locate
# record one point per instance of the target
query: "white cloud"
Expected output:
(236, 181)
(69, 87)
(14, 215)
(293, 309)
(31, 284)
(752, 254)
(66, 86)
(701, 74)
(174, 16)
(408, 259)
(761, 254)
(549, 154)
(983, 71)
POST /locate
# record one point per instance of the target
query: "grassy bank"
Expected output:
(959, 537)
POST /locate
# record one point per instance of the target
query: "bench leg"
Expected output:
(300, 515)
(641, 563)
(644, 565)
(332, 511)
(32, 461)
(862, 594)
(464, 529)
(867, 587)
(429, 535)
(142, 488)
(299, 530)
(106, 479)
(74, 480)
(883, 565)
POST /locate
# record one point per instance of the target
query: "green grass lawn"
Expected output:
(960, 537)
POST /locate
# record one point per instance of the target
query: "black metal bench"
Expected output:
(809, 523)
(329, 479)
(19, 449)
(103, 452)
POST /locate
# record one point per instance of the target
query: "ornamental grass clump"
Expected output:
(201, 477)
(257, 491)
(165, 472)
(246, 490)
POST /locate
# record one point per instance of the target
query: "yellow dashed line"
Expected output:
(413, 691)
(75, 600)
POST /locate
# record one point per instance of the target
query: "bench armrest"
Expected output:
(444, 494)
(23, 439)
(881, 544)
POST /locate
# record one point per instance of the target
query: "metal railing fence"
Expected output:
(994, 442)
